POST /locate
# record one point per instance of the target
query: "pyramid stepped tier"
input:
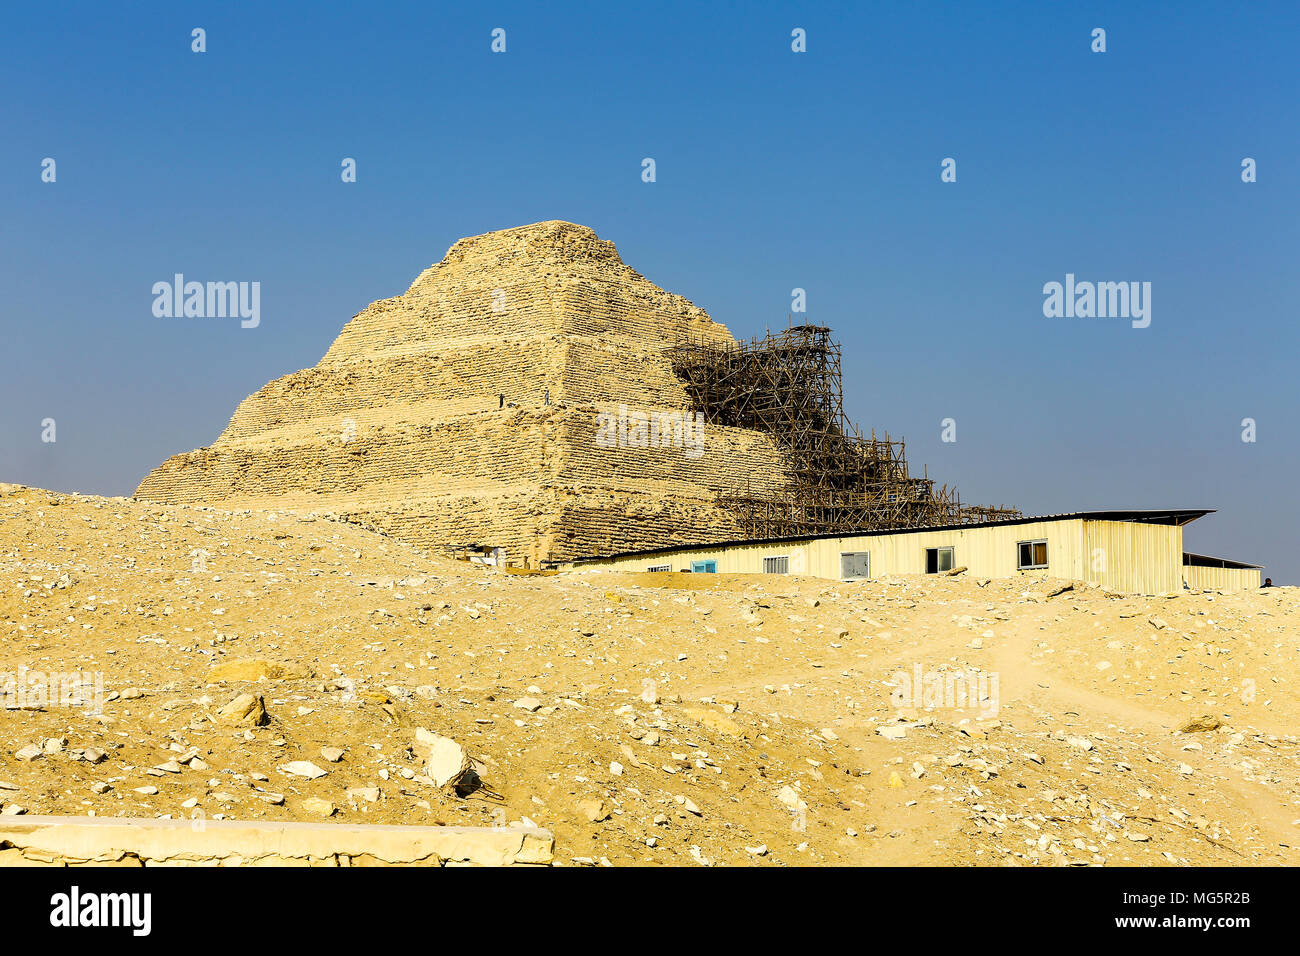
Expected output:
(468, 411)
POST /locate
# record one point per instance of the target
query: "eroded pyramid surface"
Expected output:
(467, 411)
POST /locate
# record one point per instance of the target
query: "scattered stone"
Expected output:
(318, 806)
(790, 797)
(246, 710)
(303, 768)
(445, 761)
(254, 669)
(720, 723)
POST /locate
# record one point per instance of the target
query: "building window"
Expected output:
(855, 565)
(1031, 554)
(704, 567)
(660, 567)
(938, 560)
(778, 565)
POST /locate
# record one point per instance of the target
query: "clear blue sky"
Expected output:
(775, 170)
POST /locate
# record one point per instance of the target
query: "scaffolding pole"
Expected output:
(789, 386)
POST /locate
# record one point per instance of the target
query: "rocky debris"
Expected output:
(255, 669)
(789, 796)
(940, 785)
(318, 806)
(246, 710)
(716, 722)
(445, 761)
(357, 795)
(303, 768)
(1201, 725)
(687, 804)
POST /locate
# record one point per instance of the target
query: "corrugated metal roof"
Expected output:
(1175, 517)
(1208, 561)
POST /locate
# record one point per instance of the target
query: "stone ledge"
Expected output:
(126, 841)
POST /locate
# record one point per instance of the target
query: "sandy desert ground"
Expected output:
(644, 719)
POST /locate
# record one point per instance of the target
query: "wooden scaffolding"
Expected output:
(788, 385)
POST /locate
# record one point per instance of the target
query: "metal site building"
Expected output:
(1133, 551)
(849, 509)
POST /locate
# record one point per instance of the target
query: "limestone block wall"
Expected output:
(129, 841)
(408, 388)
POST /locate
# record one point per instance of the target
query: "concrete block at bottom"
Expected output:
(72, 841)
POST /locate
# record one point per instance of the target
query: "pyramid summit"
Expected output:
(476, 409)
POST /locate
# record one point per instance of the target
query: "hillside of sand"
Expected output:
(644, 719)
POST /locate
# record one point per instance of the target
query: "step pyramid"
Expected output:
(480, 408)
